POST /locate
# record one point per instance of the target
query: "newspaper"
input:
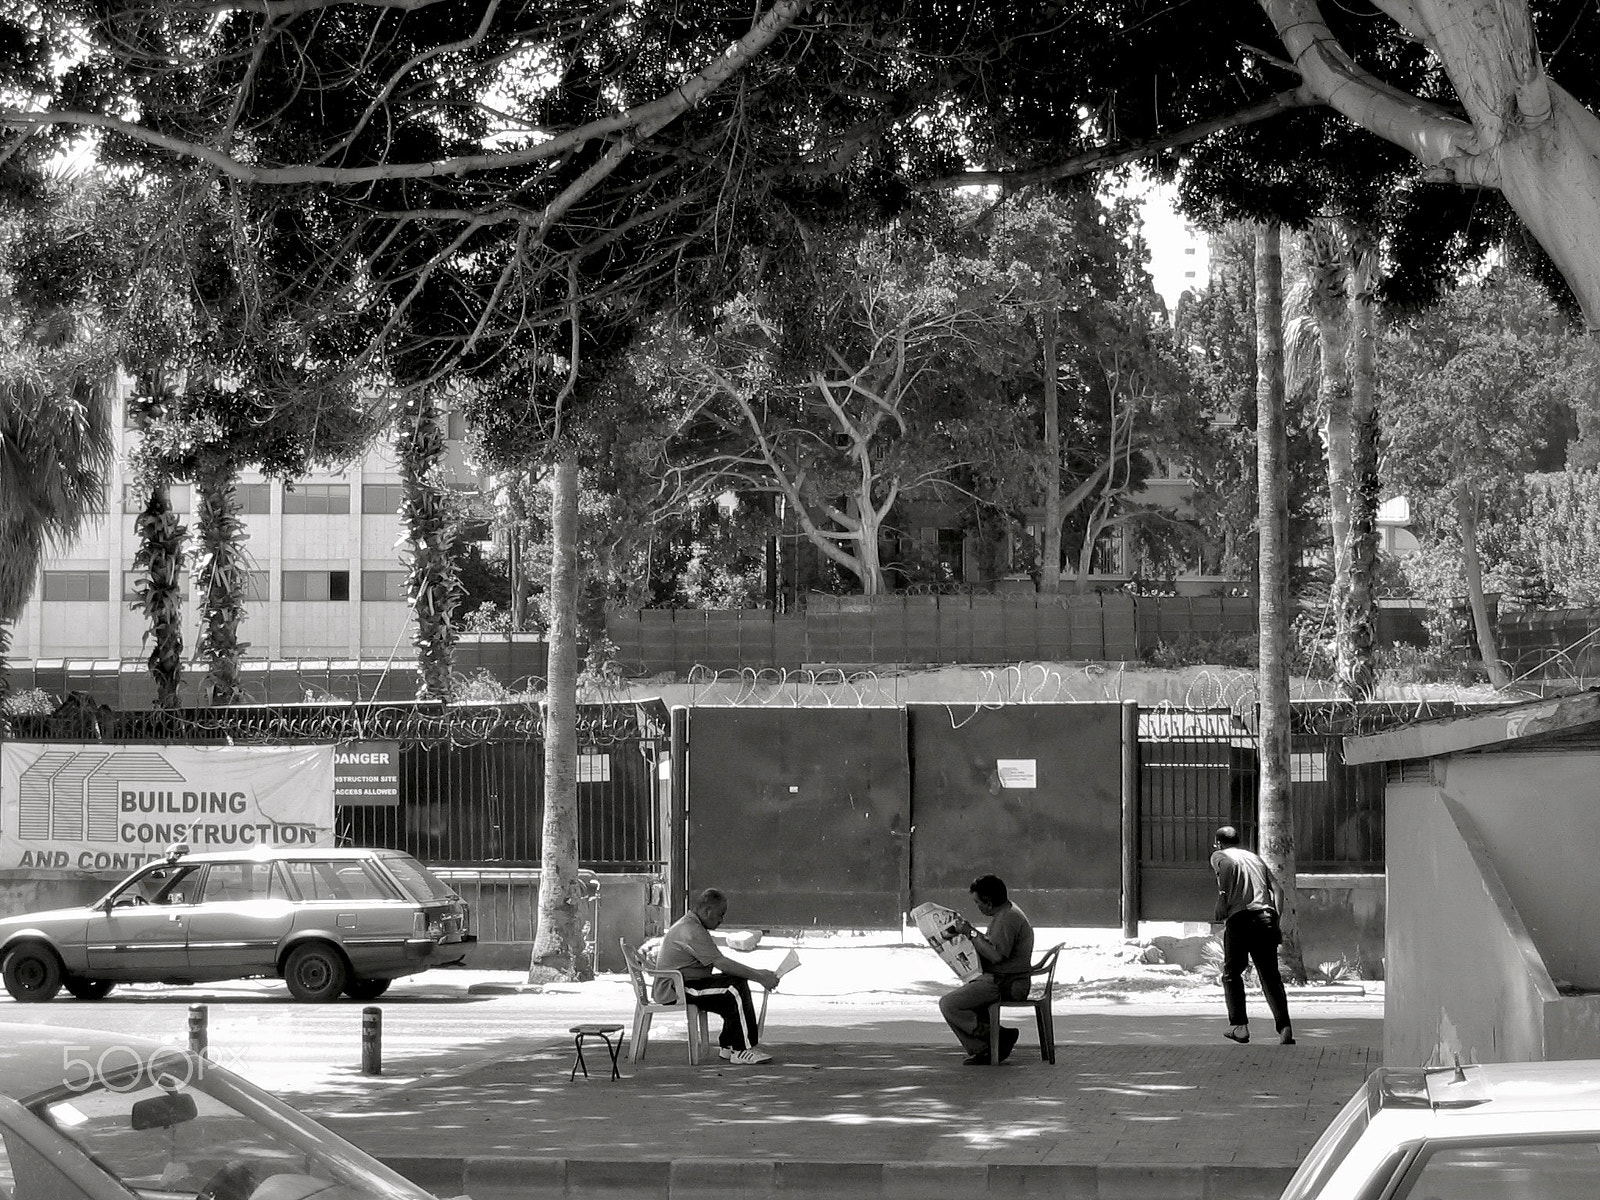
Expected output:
(945, 930)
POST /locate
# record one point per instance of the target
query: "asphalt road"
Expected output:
(446, 1020)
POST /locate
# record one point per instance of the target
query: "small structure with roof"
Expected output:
(1493, 825)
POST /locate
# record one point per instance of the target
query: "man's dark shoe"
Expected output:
(1285, 1037)
(1008, 1039)
(980, 1059)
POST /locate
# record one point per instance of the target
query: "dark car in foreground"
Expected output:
(1500, 1131)
(327, 921)
(89, 1115)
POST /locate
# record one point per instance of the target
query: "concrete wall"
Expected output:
(1540, 815)
(1342, 918)
(25, 891)
(1464, 976)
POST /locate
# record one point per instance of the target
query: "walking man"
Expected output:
(714, 981)
(1006, 950)
(1248, 902)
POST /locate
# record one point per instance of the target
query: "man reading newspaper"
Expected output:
(1006, 950)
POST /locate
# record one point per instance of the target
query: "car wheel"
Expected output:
(32, 974)
(366, 989)
(88, 989)
(314, 972)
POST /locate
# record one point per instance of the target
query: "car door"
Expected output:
(143, 933)
(350, 902)
(244, 913)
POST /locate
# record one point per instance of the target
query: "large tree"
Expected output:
(1478, 385)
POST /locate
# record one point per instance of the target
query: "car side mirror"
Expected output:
(164, 1111)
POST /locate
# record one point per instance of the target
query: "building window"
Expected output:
(255, 499)
(136, 495)
(76, 585)
(316, 498)
(382, 498)
(132, 579)
(316, 585)
(455, 427)
(383, 585)
(257, 586)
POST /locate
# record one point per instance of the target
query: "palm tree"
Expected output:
(1275, 841)
(55, 447)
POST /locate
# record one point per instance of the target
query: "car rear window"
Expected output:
(417, 879)
(1332, 1147)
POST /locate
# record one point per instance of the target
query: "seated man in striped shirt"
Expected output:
(714, 981)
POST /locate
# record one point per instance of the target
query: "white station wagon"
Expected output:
(327, 921)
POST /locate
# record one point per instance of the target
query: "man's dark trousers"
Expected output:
(729, 997)
(1253, 935)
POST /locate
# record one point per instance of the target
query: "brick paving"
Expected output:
(841, 1119)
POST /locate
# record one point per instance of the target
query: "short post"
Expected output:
(372, 1041)
(197, 1029)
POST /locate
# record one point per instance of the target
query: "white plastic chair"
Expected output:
(646, 1006)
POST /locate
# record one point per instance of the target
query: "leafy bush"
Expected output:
(33, 702)
(1208, 650)
(1408, 664)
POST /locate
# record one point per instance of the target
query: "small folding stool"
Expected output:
(603, 1032)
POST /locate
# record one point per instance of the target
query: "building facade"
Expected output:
(326, 579)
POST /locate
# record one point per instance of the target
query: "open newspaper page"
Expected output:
(943, 927)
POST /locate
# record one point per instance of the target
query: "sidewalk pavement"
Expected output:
(1143, 1102)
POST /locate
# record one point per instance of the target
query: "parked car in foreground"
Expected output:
(1501, 1131)
(90, 1115)
(326, 921)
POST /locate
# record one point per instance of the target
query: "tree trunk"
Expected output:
(516, 550)
(558, 952)
(1050, 547)
(1357, 670)
(222, 572)
(1467, 514)
(1275, 837)
(1325, 265)
(160, 556)
(433, 583)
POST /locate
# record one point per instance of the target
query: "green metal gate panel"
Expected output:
(1030, 792)
(800, 814)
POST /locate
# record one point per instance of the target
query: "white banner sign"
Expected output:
(112, 808)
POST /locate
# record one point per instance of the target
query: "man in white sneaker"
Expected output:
(714, 981)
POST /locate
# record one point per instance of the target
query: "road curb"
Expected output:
(505, 1178)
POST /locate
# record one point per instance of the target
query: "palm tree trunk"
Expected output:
(1357, 671)
(433, 583)
(1467, 514)
(1275, 838)
(160, 556)
(1050, 546)
(1325, 263)
(221, 573)
(557, 943)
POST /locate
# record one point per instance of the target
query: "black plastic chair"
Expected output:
(1041, 986)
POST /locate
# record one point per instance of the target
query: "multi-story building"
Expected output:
(326, 578)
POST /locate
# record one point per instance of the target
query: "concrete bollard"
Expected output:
(197, 1029)
(372, 1041)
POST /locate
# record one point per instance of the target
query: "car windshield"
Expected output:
(417, 879)
(169, 1126)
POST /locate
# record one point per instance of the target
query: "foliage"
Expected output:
(1197, 650)
(159, 559)
(433, 584)
(34, 702)
(221, 573)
